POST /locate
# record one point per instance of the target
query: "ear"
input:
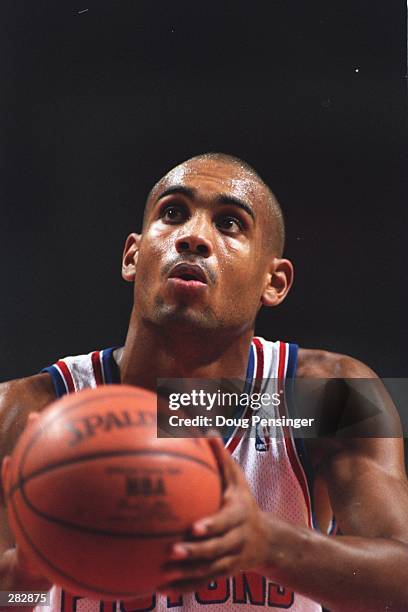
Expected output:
(279, 281)
(129, 259)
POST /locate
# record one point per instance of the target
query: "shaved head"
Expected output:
(214, 215)
(275, 227)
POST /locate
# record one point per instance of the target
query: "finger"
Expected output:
(5, 466)
(230, 516)
(32, 418)
(5, 469)
(26, 563)
(223, 457)
(200, 575)
(216, 444)
(230, 542)
(25, 570)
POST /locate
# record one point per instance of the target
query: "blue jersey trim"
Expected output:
(239, 410)
(111, 372)
(292, 361)
(57, 380)
(333, 526)
(250, 369)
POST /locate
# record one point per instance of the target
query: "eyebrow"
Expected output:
(223, 198)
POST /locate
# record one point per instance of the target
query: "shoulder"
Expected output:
(356, 417)
(317, 363)
(38, 390)
(351, 397)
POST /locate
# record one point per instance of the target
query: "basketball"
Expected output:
(96, 499)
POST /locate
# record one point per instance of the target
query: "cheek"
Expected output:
(242, 272)
(154, 246)
(156, 240)
(158, 233)
(239, 261)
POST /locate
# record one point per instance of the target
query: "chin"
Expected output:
(185, 318)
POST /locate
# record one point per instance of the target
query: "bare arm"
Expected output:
(17, 400)
(16, 574)
(364, 570)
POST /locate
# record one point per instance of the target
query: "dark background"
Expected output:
(100, 98)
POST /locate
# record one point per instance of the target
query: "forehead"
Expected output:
(212, 178)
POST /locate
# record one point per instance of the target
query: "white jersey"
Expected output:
(275, 468)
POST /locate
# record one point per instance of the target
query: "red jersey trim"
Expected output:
(288, 436)
(66, 374)
(97, 368)
(239, 433)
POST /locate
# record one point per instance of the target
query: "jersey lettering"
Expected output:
(217, 591)
(247, 588)
(174, 601)
(68, 602)
(107, 606)
(141, 604)
(279, 597)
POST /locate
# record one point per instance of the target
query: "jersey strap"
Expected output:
(252, 382)
(97, 368)
(296, 447)
(295, 450)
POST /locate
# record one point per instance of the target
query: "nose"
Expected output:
(194, 241)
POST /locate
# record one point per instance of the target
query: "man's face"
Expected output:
(202, 258)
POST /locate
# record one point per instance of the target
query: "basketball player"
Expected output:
(209, 256)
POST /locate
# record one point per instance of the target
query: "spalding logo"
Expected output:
(86, 427)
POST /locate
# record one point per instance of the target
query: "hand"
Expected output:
(17, 570)
(5, 465)
(231, 540)
(19, 573)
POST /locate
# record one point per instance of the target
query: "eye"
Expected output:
(173, 213)
(230, 224)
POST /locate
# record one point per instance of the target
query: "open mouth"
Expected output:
(189, 273)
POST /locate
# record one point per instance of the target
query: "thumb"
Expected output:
(32, 418)
(230, 471)
(25, 570)
(25, 563)
(5, 469)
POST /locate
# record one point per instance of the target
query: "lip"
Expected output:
(189, 274)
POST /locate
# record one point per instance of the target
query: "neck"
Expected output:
(153, 352)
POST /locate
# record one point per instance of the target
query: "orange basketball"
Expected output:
(96, 499)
